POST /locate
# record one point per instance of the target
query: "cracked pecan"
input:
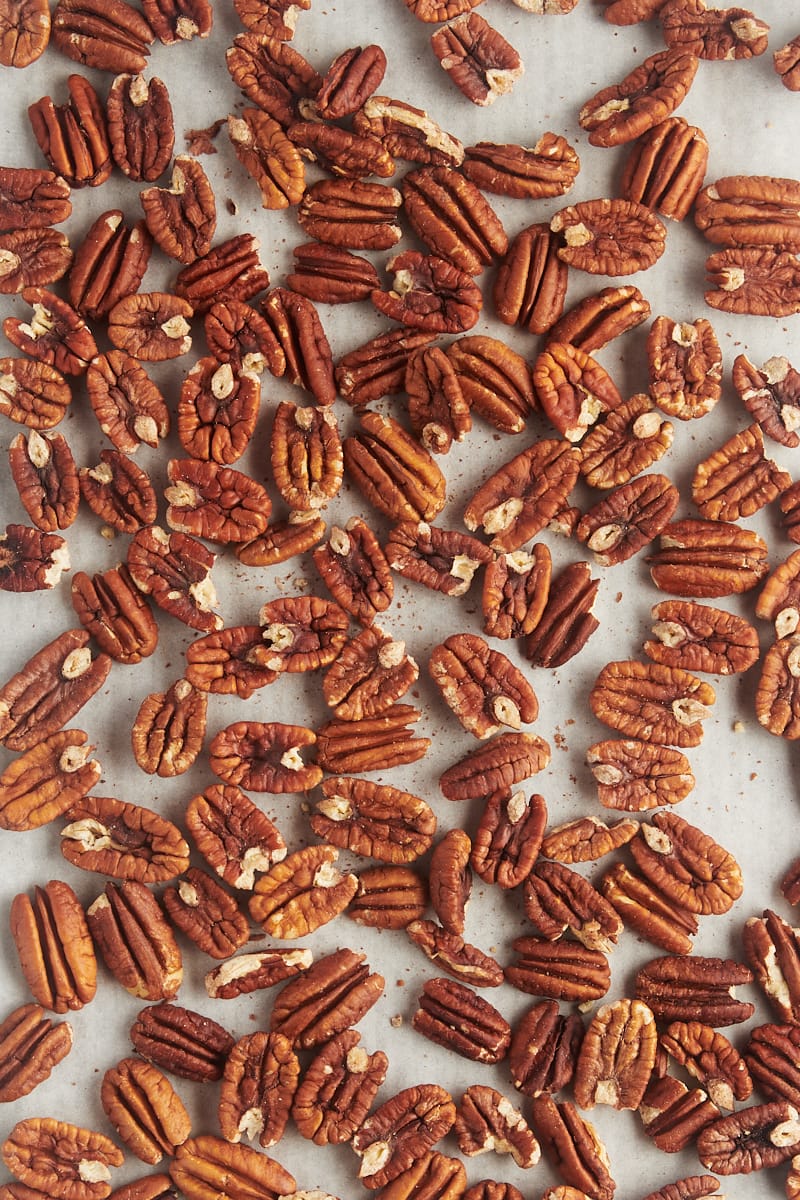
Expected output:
(451, 953)
(144, 1108)
(333, 994)
(617, 1056)
(301, 892)
(124, 840)
(645, 97)
(699, 637)
(55, 334)
(31, 1046)
(771, 394)
(233, 834)
(45, 781)
(503, 761)
(181, 1041)
(481, 685)
(672, 1114)
(454, 1016)
(477, 58)
(737, 479)
(115, 613)
(175, 571)
(519, 499)
(772, 948)
(140, 126)
(337, 1089)
(73, 136)
(659, 704)
(257, 1088)
(407, 132)
(375, 820)
(182, 218)
(136, 941)
(119, 492)
(60, 1159)
(557, 899)
(609, 236)
(54, 947)
(245, 973)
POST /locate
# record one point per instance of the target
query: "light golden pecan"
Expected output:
(673, 1114)
(129, 407)
(389, 897)
(55, 333)
(144, 1108)
(125, 840)
(267, 154)
(136, 941)
(301, 892)
(65, 1161)
(454, 1016)
(31, 1046)
(245, 973)
(557, 899)
(402, 1128)
(636, 776)
(328, 998)
(407, 132)
(337, 1089)
(208, 915)
(236, 1170)
(74, 136)
(306, 455)
(477, 58)
(110, 35)
(182, 1041)
(762, 281)
(45, 781)
(573, 389)
(24, 31)
(452, 954)
(33, 393)
(33, 197)
(371, 672)
(264, 756)
(772, 947)
(522, 496)
(560, 970)
(771, 395)
(54, 947)
(531, 282)
(758, 1136)
(51, 687)
(257, 1088)
(507, 840)
(119, 492)
(113, 610)
(644, 98)
(182, 218)
(450, 879)
(355, 570)
(652, 913)
(573, 1147)
(710, 1058)
(699, 637)
(487, 1121)
(503, 761)
(695, 987)
(544, 1049)
(660, 704)
(609, 236)
(231, 270)
(624, 443)
(586, 839)
(706, 559)
(283, 539)
(737, 479)
(617, 1056)
(140, 126)
(484, 689)
(516, 587)
(665, 168)
(373, 819)
(301, 633)
(450, 215)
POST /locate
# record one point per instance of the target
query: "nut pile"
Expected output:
(418, 499)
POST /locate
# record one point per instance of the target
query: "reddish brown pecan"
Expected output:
(245, 973)
(709, 1057)
(687, 865)
(124, 840)
(477, 58)
(486, 1121)
(519, 499)
(673, 1114)
(560, 970)
(56, 1156)
(371, 672)
(115, 613)
(24, 32)
(110, 35)
(235, 1167)
(231, 270)
(182, 218)
(713, 33)
(644, 907)
(503, 761)
(617, 1056)
(481, 685)
(573, 1147)
(306, 455)
(234, 836)
(33, 393)
(645, 97)
(771, 394)
(636, 776)
(737, 479)
(32, 197)
(665, 705)
(601, 317)
(750, 210)
(557, 899)
(109, 263)
(351, 213)
(297, 326)
(706, 559)
(373, 819)
(701, 638)
(437, 408)
(450, 880)
(54, 947)
(758, 1136)
(628, 518)
(276, 18)
(337, 1090)
(301, 892)
(451, 216)
(378, 367)
(771, 1055)
(685, 367)
(393, 471)
(217, 410)
(762, 281)
(350, 80)
(355, 570)
(73, 136)
(175, 571)
(129, 407)
(407, 132)
(516, 587)
(181, 1041)
(169, 729)
(609, 237)
(789, 503)
(136, 941)
(388, 897)
(178, 20)
(32, 258)
(258, 1086)
(55, 334)
(508, 838)
(625, 443)
(776, 699)
(140, 126)
(31, 1046)
(454, 1016)
(439, 10)
(215, 502)
(401, 1129)
(665, 168)
(544, 1049)
(429, 293)
(264, 756)
(696, 987)
(47, 780)
(326, 999)
(31, 560)
(237, 334)
(772, 948)
(786, 61)
(548, 168)
(495, 381)
(151, 326)
(119, 492)
(271, 74)
(302, 633)
(572, 389)
(331, 274)
(144, 1108)
(230, 661)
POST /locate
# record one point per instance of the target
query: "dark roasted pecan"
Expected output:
(331, 274)
(481, 685)
(32, 258)
(429, 293)
(257, 1088)
(264, 756)
(477, 58)
(337, 1089)
(119, 492)
(54, 1158)
(626, 442)
(32, 197)
(328, 998)
(109, 263)
(737, 479)
(231, 270)
(140, 127)
(229, 1167)
(24, 32)
(52, 686)
(660, 704)
(144, 1108)
(701, 638)
(129, 407)
(566, 622)
(245, 973)
(544, 1049)
(401, 1129)
(586, 839)
(115, 613)
(437, 408)
(47, 780)
(54, 947)
(175, 570)
(31, 560)
(393, 471)
(547, 169)
(378, 367)
(627, 519)
(55, 333)
(124, 840)
(709, 1057)
(673, 1114)
(407, 132)
(648, 94)
(110, 35)
(136, 941)
(169, 729)
(758, 1136)
(31, 1045)
(373, 819)
(444, 560)
(181, 1041)
(609, 237)
(617, 1056)
(487, 1121)
(452, 218)
(351, 213)
(508, 837)
(73, 136)
(301, 892)
(706, 559)
(573, 1147)
(451, 953)
(636, 776)
(182, 218)
(179, 20)
(694, 988)
(33, 393)
(503, 761)
(665, 168)
(560, 970)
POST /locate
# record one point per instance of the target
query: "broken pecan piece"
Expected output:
(709, 1057)
(771, 394)
(269, 157)
(451, 953)
(644, 98)
(516, 587)
(486, 1121)
(245, 973)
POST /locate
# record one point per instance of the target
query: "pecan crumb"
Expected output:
(201, 141)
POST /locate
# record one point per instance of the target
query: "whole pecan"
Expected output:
(351, 213)
(328, 998)
(140, 126)
(762, 281)
(645, 97)
(477, 58)
(301, 892)
(337, 1089)
(182, 1041)
(144, 1108)
(60, 1159)
(74, 136)
(31, 1046)
(125, 840)
(373, 819)
(267, 154)
(54, 946)
(257, 1089)
(701, 638)
(548, 168)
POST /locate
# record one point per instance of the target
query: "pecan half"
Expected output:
(519, 499)
(217, 411)
(135, 940)
(665, 168)
(351, 213)
(599, 318)
(503, 761)
(31, 1046)
(548, 168)
(371, 672)
(169, 729)
(771, 1060)
(264, 756)
(452, 1015)
(659, 704)
(772, 948)
(572, 389)
(408, 132)
(54, 947)
(707, 559)
(495, 381)
(181, 1041)
(350, 80)
(698, 637)
(24, 32)
(33, 197)
(450, 879)
(636, 776)
(140, 126)
(230, 661)
(55, 334)
(516, 587)
(557, 899)
(507, 840)
(215, 502)
(109, 263)
(450, 215)
(749, 210)
(713, 33)
(654, 914)
(617, 1056)
(301, 892)
(182, 218)
(372, 819)
(33, 393)
(559, 970)
(609, 237)
(144, 1108)
(388, 897)
(477, 58)
(301, 633)
(31, 560)
(267, 154)
(437, 408)
(486, 1121)
(61, 1159)
(331, 274)
(175, 571)
(306, 455)
(119, 492)
(337, 1089)
(673, 1114)
(544, 1049)
(129, 407)
(776, 700)
(401, 1129)
(481, 685)
(231, 270)
(692, 988)
(47, 780)
(233, 1168)
(531, 282)
(124, 840)
(32, 257)
(452, 954)
(627, 519)
(271, 74)
(257, 1088)
(566, 622)
(429, 293)
(74, 136)
(328, 998)
(737, 479)
(625, 443)
(110, 36)
(378, 367)
(355, 571)
(113, 610)
(573, 1147)
(762, 281)
(770, 394)
(178, 20)
(645, 97)
(151, 326)
(761, 1135)
(785, 61)
(586, 839)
